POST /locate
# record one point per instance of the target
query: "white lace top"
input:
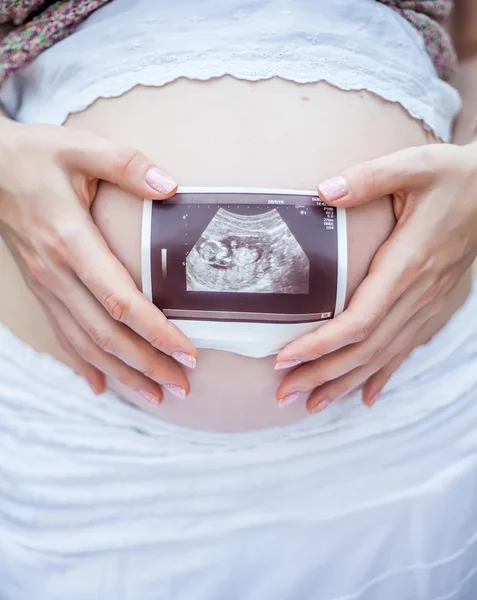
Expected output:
(352, 44)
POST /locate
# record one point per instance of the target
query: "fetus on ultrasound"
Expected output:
(250, 254)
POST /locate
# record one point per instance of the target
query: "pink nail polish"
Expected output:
(320, 406)
(287, 364)
(176, 390)
(150, 397)
(373, 399)
(293, 397)
(159, 181)
(97, 389)
(334, 189)
(185, 359)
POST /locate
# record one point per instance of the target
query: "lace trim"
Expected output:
(436, 120)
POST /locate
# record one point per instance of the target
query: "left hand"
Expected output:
(434, 191)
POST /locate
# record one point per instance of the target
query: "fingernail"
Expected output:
(185, 359)
(320, 406)
(176, 390)
(373, 399)
(159, 181)
(97, 389)
(286, 400)
(335, 188)
(287, 364)
(150, 397)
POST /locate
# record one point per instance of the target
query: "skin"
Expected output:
(230, 392)
(46, 223)
(415, 271)
(96, 340)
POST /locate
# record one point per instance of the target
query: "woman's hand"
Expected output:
(48, 180)
(434, 191)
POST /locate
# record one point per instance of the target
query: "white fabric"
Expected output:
(101, 500)
(352, 44)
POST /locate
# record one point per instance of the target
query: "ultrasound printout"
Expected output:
(244, 256)
(254, 254)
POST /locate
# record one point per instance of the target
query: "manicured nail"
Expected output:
(176, 390)
(97, 389)
(159, 181)
(287, 364)
(185, 359)
(320, 406)
(286, 400)
(150, 397)
(373, 399)
(334, 189)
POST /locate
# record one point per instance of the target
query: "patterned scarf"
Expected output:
(28, 27)
(429, 18)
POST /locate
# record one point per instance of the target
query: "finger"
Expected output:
(371, 180)
(91, 353)
(375, 384)
(117, 339)
(394, 268)
(96, 380)
(334, 390)
(126, 167)
(90, 258)
(335, 364)
(93, 376)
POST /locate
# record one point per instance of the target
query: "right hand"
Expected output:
(49, 176)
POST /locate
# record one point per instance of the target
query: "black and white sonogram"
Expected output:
(254, 254)
(244, 256)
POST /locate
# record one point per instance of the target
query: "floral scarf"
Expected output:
(429, 18)
(28, 27)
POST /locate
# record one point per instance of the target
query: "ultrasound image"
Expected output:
(249, 254)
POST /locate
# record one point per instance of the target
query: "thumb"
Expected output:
(374, 179)
(126, 167)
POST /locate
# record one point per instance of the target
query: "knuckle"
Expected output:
(368, 355)
(446, 283)
(425, 155)
(419, 263)
(317, 381)
(53, 244)
(313, 374)
(150, 372)
(373, 178)
(127, 159)
(39, 272)
(124, 378)
(361, 331)
(117, 307)
(82, 348)
(68, 234)
(157, 340)
(103, 340)
(35, 286)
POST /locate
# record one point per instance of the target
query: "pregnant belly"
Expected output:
(225, 132)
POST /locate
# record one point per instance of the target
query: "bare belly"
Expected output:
(233, 133)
